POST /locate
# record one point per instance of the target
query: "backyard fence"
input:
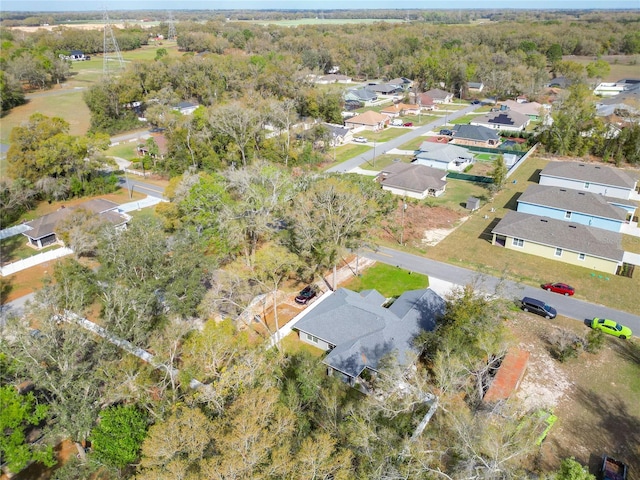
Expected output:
(34, 260)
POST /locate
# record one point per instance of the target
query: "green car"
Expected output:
(611, 327)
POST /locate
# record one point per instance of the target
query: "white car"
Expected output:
(360, 139)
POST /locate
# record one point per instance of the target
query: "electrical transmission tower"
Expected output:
(172, 28)
(112, 59)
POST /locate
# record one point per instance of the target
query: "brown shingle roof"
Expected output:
(416, 178)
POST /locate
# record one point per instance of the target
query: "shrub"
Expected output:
(595, 341)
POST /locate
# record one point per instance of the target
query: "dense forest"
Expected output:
(248, 212)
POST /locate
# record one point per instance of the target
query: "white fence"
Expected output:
(35, 260)
(13, 231)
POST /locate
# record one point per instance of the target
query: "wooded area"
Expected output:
(249, 212)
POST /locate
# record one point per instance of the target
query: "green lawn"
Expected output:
(15, 248)
(388, 280)
(470, 246)
(413, 144)
(456, 195)
(382, 161)
(124, 150)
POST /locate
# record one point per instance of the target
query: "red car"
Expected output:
(408, 124)
(562, 288)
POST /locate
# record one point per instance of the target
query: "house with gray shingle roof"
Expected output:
(439, 96)
(444, 156)
(507, 120)
(475, 135)
(413, 180)
(385, 88)
(358, 331)
(565, 204)
(568, 242)
(363, 95)
(42, 230)
(591, 177)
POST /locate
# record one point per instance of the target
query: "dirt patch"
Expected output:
(419, 225)
(597, 412)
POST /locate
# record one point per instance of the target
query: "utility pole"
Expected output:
(404, 207)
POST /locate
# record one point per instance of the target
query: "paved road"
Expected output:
(131, 182)
(566, 306)
(412, 133)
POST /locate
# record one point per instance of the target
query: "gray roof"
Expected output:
(438, 94)
(46, 225)
(363, 94)
(573, 201)
(507, 118)
(589, 172)
(475, 132)
(558, 233)
(363, 331)
(384, 88)
(443, 152)
(413, 177)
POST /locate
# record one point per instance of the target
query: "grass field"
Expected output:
(622, 66)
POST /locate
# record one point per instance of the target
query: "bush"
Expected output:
(565, 345)
(595, 341)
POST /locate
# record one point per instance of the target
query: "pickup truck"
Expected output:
(613, 469)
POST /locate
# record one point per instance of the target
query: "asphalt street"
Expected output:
(379, 148)
(567, 306)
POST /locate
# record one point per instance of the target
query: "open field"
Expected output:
(622, 66)
(470, 246)
(321, 21)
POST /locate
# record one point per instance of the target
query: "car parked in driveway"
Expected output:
(407, 124)
(446, 131)
(538, 307)
(306, 294)
(562, 288)
(360, 139)
(611, 327)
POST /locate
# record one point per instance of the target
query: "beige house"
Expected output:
(412, 180)
(368, 120)
(400, 109)
(559, 240)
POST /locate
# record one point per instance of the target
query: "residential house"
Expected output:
(443, 156)
(592, 177)
(402, 82)
(338, 134)
(186, 108)
(413, 180)
(42, 232)
(385, 88)
(400, 109)
(425, 101)
(475, 86)
(565, 204)
(440, 96)
(358, 331)
(506, 120)
(625, 106)
(610, 89)
(475, 135)
(567, 242)
(533, 110)
(363, 95)
(162, 144)
(560, 82)
(368, 120)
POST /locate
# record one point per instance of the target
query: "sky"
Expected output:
(97, 5)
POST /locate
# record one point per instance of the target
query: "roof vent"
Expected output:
(581, 193)
(572, 226)
(598, 168)
(581, 164)
(542, 220)
(562, 190)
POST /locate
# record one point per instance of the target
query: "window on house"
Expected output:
(558, 252)
(581, 256)
(518, 242)
(586, 184)
(311, 338)
(567, 215)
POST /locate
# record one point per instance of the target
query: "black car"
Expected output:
(306, 294)
(538, 307)
(445, 131)
(475, 102)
